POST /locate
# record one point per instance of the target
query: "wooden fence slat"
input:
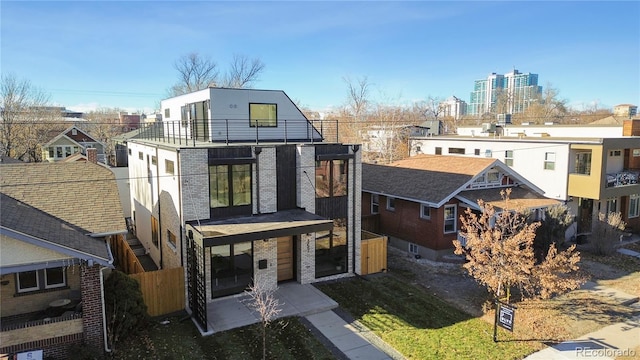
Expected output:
(162, 290)
(373, 254)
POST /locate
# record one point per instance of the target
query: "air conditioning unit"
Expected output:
(488, 128)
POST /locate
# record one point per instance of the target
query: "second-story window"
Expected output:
(508, 157)
(331, 178)
(583, 163)
(230, 185)
(263, 115)
(550, 161)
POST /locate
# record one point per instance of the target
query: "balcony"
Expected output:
(623, 178)
(226, 131)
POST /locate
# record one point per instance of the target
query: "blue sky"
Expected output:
(121, 54)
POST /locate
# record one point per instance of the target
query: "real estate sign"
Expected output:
(506, 316)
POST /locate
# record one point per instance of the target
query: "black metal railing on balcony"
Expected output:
(191, 132)
(623, 178)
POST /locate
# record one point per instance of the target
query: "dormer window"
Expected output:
(263, 115)
(74, 131)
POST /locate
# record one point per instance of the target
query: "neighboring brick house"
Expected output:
(71, 141)
(237, 183)
(594, 168)
(56, 220)
(418, 201)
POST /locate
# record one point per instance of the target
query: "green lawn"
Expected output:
(419, 325)
(287, 339)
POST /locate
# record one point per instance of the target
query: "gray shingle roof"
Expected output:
(28, 220)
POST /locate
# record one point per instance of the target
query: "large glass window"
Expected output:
(450, 218)
(583, 163)
(231, 268)
(230, 185)
(331, 178)
(263, 115)
(331, 250)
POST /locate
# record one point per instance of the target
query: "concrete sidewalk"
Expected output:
(611, 342)
(351, 340)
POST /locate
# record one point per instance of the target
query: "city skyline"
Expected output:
(121, 54)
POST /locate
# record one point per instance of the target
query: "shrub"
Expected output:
(125, 307)
(606, 233)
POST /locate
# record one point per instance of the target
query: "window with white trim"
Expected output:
(450, 214)
(413, 248)
(493, 176)
(375, 203)
(425, 212)
(391, 203)
(508, 157)
(549, 161)
(634, 205)
(36, 280)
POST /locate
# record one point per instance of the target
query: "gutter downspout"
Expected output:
(159, 211)
(355, 149)
(257, 151)
(104, 311)
(181, 216)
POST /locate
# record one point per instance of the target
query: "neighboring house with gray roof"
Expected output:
(418, 201)
(57, 219)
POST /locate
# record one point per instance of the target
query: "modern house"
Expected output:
(71, 141)
(236, 184)
(55, 224)
(594, 171)
(418, 201)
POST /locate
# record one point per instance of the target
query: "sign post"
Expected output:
(505, 317)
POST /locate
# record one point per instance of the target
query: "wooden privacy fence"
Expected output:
(127, 260)
(162, 290)
(373, 253)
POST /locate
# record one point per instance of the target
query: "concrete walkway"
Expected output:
(350, 340)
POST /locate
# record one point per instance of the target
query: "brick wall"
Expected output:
(267, 182)
(52, 348)
(266, 250)
(91, 306)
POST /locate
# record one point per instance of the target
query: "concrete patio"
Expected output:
(295, 300)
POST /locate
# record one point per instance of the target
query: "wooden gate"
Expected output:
(162, 290)
(373, 253)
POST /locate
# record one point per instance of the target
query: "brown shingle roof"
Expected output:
(520, 198)
(426, 178)
(80, 193)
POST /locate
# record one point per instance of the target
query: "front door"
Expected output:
(586, 214)
(285, 258)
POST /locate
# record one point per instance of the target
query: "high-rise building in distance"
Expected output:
(511, 93)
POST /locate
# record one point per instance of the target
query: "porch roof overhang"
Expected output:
(260, 227)
(520, 198)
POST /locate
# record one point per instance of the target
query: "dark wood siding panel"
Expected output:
(230, 153)
(332, 208)
(286, 177)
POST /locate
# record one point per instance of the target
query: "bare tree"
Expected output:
(194, 73)
(263, 301)
(103, 125)
(243, 72)
(547, 106)
(26, 118)
(500, 254)
(358, 96)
